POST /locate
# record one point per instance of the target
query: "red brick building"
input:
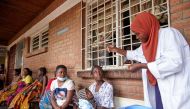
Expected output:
(61, 30)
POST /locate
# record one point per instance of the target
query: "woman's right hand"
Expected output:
(111, 48)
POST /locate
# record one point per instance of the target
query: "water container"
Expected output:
(135, 107)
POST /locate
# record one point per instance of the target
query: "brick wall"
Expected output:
(127, 88)
(62, 49)
(125, 84)
(180, 16)
(66, 48)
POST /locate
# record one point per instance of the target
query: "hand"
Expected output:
(127, 62)
(111, 48)
(136, 67)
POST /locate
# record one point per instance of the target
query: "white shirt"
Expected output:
(104, 97)
(60, 93)
(171, 69)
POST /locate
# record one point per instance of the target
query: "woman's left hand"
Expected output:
(137, 66)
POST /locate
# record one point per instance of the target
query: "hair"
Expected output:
(17, 72)
(94, 67)
(29, 71)
(86, 89)
(61, 66)
(43, 70)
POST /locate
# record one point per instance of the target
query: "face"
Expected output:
(61, 73)
(89, 94)
(142, 37)
(101, 38)
(15, 73)
(39, 73)
(24, 72)
(97, 74)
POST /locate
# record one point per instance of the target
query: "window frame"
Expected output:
(39, 34)
(84, 27)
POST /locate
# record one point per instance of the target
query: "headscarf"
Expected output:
(147, 24)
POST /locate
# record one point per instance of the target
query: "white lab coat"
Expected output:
(171, 69)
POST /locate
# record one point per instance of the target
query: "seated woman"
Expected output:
(17, 77)
(27, 76)
(101, 90)
(12, 87)
(62, 89)
(86, 99)
(26, 80)
(32, 92)
(42, 78)
(45, 101)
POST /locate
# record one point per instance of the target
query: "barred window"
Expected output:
(39, 40)
(106, 22)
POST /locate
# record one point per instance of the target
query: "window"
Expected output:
(107, 22)
(19, 54)
(3, 52)
(39, 40)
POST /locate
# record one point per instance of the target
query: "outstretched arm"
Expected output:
(120, 51)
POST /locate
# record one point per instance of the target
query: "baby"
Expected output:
(86, 99)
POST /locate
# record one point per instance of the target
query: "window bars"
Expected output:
(106, 22)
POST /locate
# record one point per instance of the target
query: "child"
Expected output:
(62, 89)
(86, 99)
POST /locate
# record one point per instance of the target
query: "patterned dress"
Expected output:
(104, 97)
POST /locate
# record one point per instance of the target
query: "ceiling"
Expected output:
(15, 14)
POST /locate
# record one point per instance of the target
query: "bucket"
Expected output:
(135, 107)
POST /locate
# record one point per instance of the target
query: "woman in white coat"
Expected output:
(165, 62)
